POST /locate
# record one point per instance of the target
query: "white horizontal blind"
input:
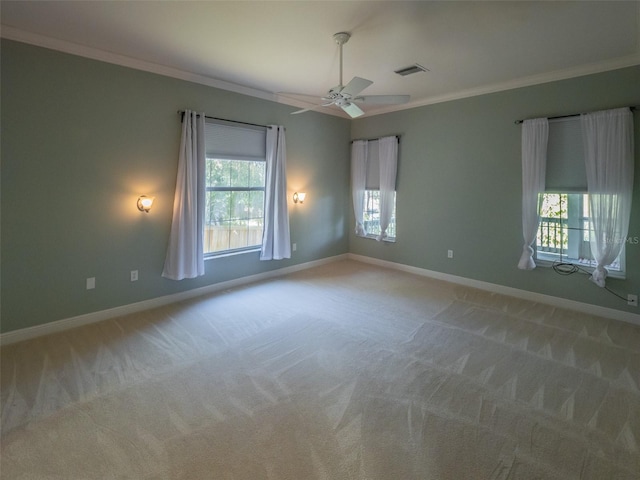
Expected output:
(235, 142)
(566, 171)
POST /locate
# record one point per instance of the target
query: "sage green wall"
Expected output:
(81, 139)
(459, 184)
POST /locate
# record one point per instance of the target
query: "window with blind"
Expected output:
(235, 186)
(565, 228)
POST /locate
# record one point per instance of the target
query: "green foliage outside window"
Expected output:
(553, 234)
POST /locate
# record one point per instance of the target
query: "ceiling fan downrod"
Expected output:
(341, 38)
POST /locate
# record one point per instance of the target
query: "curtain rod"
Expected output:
(632, 108)
(181, 112)
(374, 139)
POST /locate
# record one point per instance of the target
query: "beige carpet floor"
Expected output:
(345, 371)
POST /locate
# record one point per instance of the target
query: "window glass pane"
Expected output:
(256, 218)
(217, 215)
(371, 214)
(234, 211)
(216, 237)
(239, 234)
(218, 173)
(391, 229)
(240, 205)
(586, 223)
(565, 230)
(239, 173)
(553, 233)
(257, 174)
(585, 203)
(554, 205)
(256, 206)
(219, 207)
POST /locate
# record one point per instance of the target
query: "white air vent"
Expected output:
(411, 69)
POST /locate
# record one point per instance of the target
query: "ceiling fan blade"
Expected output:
(302, 111)
(382, 99)
(355, 86)
(312, 108)
(299, 96)
(352, 109)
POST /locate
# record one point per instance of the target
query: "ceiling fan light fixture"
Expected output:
(411, 69)
(352, 110)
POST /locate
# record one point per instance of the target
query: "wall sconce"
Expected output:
(299, 197)
(145, 203)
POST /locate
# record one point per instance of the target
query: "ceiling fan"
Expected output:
(347, 96)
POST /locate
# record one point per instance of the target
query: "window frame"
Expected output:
(229, 141)
(210, 188)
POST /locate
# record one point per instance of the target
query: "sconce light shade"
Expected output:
(145, 203)
(299, 197)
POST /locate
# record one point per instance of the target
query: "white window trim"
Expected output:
(232, 251)
(546, 260)
(375, 237)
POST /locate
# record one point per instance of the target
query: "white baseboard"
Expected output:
(510, 291)
(67, 323)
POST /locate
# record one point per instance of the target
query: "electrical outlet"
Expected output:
(449, 253)
(294, 247)
(134, 275)
(632, 300)
(91, 283)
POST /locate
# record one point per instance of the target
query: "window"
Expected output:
(565, 231)
(373, 182)
(371, 215)
(565, 227)
(235, 188)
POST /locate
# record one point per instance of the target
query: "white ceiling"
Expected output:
(264, 47)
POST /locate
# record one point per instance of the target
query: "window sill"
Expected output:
(375, 237)
(584, 269)
(230, 253)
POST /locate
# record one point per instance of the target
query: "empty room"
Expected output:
(320, 240)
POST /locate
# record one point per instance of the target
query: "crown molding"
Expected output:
(12, 33)
(18, 35)
(564, 74)
(64, 46)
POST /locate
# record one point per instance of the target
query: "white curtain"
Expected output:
(535, 135)
(359, 152)
(276, 242)
(388, 167)
(185, 257)
(608, 146)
